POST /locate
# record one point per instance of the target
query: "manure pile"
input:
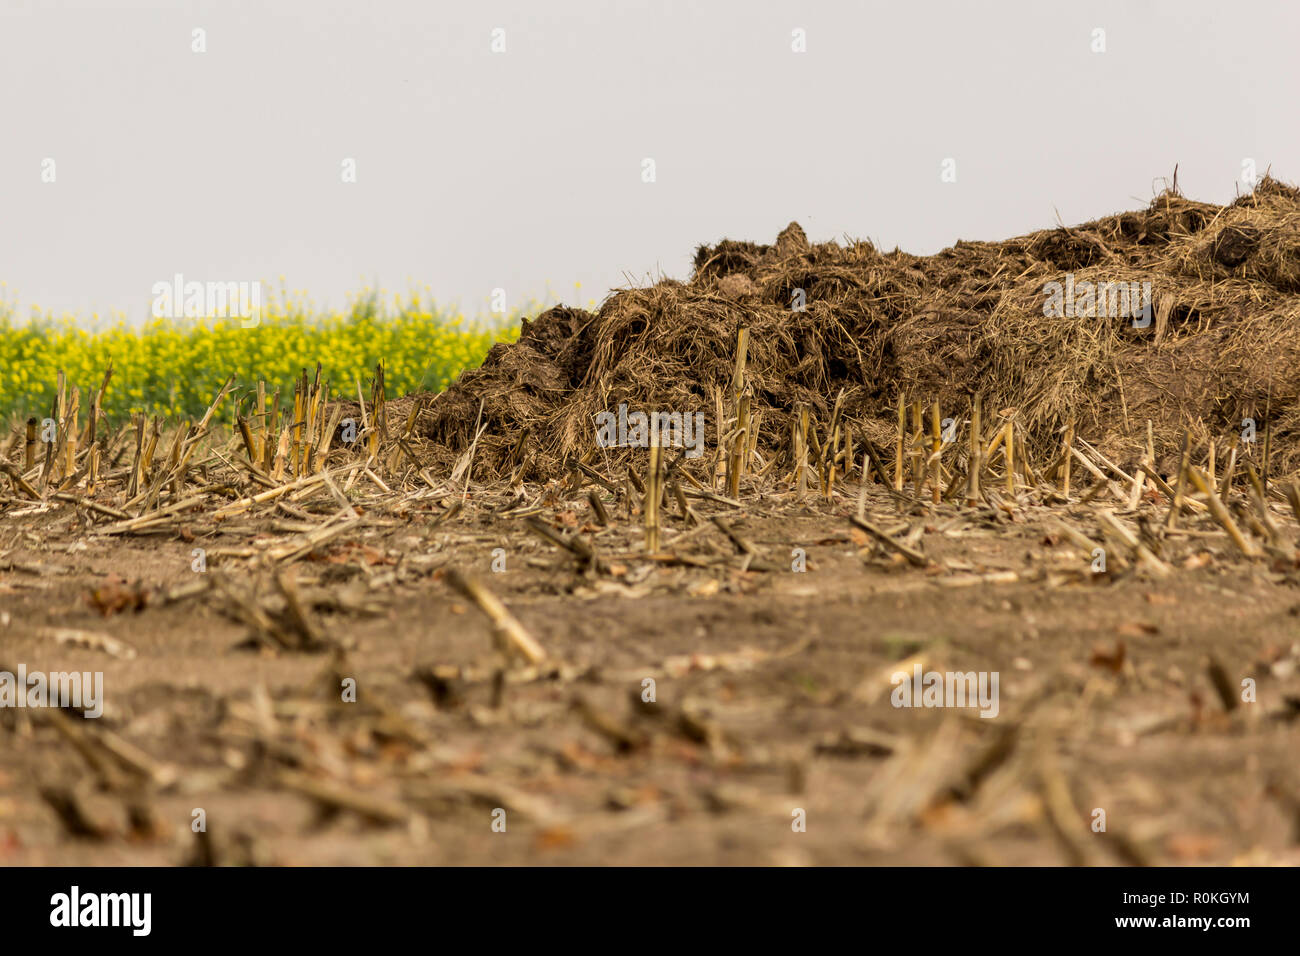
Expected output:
(1221, 342)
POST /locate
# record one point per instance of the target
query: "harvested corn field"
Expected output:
(826, 555)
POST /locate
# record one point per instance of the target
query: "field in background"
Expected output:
(168, 366)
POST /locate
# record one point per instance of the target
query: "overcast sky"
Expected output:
(478, 170)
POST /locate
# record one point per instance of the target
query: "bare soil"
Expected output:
(772, 691)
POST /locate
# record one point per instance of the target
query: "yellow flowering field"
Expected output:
(175, 366)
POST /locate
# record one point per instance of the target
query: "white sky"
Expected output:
(479, 170)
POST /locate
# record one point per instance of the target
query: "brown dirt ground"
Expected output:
(771, 696)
